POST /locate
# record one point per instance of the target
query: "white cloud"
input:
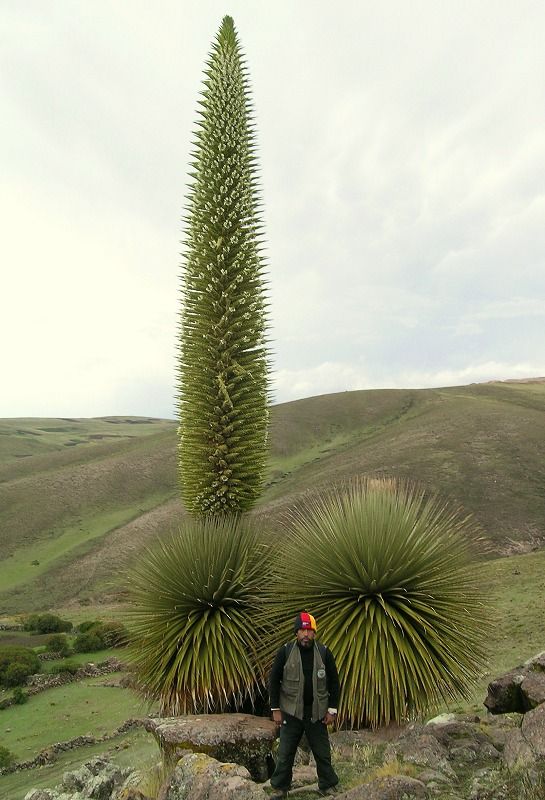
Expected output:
(472, 373)
(332, 377)
(403, 159)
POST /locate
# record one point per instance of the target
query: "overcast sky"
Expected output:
(402, 149)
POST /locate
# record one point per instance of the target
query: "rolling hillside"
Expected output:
(80, 498)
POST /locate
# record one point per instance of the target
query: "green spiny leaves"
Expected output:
(224, 360)
(196, 607)
(391, 579)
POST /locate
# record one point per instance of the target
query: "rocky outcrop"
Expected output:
(522, 690)
(97, 779)
(519, 690)
(452, 756)
(239, 738)
(199, 777)
(445, 747)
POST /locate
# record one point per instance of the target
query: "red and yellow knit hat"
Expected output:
(304, 621)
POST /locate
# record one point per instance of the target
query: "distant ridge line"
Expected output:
(519, 380)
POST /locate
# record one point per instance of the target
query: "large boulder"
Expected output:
(199, 777)
(239, 738)
(519, 690)
(504, 695)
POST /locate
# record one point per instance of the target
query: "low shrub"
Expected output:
(30, 623)
(88, 643)
(16, 674)
(58, 643)
(19, 696)
(46, 623)
(16, 664)
(7, 758)
(85, 627)
(113, 634)
(51, 623)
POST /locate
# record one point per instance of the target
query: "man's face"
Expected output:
(305, 637)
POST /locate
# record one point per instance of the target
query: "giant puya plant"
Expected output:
(393, 580)
(196, 597)
(223, 354)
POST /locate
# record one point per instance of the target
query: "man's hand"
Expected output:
(329, 719)
(277, 716)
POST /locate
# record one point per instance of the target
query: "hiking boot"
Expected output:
(329, 791)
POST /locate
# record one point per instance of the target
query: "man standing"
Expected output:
(304, 695)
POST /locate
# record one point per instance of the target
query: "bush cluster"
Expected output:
(16, 664)
(46, 623)
(88, 643)
(96, 635)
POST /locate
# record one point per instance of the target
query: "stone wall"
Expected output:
(40, 682)
(49, 754)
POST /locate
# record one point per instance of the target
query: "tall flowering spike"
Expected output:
(223, 351)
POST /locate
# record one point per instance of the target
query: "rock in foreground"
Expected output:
(97, 779)
(199, 777)
(239, 738)
(519, 690)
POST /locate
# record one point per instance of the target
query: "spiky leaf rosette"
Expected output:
(391, 579)
(196, 607)
(224, 359)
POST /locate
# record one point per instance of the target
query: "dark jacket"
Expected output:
(286, 691)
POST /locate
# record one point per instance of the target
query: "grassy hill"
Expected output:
(79, 498)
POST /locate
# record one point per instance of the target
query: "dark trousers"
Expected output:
(291, 731)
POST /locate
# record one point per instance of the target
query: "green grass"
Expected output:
(42, 495)
(24, 639)
(39, 556)
(84, 707)
(517, 585)
(86, 658)
(24, 438)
